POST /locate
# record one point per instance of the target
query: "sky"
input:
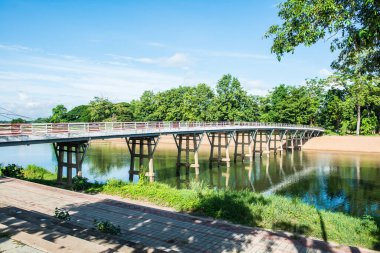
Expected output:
(67, 52)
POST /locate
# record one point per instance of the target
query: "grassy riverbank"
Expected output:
(242, 207)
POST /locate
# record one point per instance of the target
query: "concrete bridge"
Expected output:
(70, 140)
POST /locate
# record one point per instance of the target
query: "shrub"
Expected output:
(62, 214)
(35, 172)
(107, 227)
(12, 170)
(80, 183)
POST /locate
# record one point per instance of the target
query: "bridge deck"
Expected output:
(25, 134)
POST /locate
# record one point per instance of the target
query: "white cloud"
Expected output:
(178, 60)
(255, 87)
(33, 83)
(155, 44)
(16, 48)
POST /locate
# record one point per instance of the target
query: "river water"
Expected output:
(345, 182)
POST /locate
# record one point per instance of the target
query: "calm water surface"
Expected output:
(345, 182)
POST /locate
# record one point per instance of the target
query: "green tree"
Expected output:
(232, 103)
(144, 108)
(196, 103)
(123, 112)
(289, 104)
(100, 109)
(352, 25)
(362, 90)
(79, 114)
(18, 121)
(59, 114)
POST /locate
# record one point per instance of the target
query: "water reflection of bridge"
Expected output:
(267, 174)
(70, 141)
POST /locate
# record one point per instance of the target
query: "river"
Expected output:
(344, 182)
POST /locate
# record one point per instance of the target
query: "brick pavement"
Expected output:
(153, 226)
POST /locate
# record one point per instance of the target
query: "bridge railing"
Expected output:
(93, 127)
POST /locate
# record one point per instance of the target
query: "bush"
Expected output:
(12, 170)
(62, 214)
(35, 172)
(107, 227)
(80, 183)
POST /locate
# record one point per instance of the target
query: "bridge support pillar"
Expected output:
(269, 137)
(292, 139)
(142, 148)
(192, 143)
(280, 147)
(220, 140)
(301, 139)
(257, 137)
(247, 140)
(69, 155)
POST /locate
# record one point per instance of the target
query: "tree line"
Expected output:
(339, 104)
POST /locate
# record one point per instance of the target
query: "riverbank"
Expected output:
(241, 207)
(365, 144)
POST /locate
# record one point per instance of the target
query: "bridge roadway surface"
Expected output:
(26, 215)
(25, 134)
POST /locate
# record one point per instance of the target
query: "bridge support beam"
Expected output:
(292, 139)
(280, 147)
(142, 148)
(246, 141)
(69, 155)
(301, 139)
(220, 140)
(188, 143)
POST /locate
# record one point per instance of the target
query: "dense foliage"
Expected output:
(351, 25)
(337, 103)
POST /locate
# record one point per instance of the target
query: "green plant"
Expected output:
(12, 170)
(142, 176)
(107, 227)
(62, 214)
(35, 172)
(80, 183)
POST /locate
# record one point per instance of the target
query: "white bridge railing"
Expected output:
(92, 127)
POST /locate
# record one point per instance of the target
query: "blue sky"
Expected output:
(54, 52)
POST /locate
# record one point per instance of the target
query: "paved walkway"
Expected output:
(8, 245)
(27, 207)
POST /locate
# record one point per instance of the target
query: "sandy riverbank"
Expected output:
(367, 144)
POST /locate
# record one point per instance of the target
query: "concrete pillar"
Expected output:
(192, 144)
(223, 140)
(133, 143)
(72, 151)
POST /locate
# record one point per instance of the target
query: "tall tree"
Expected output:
(352, 25)
(232, 103)
(100, 109)
(363, 90)
(79, 114)
(59, 114)
(123, 112)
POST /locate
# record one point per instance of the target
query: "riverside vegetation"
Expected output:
(242, 207)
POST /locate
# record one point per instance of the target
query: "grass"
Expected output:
(242, 207)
